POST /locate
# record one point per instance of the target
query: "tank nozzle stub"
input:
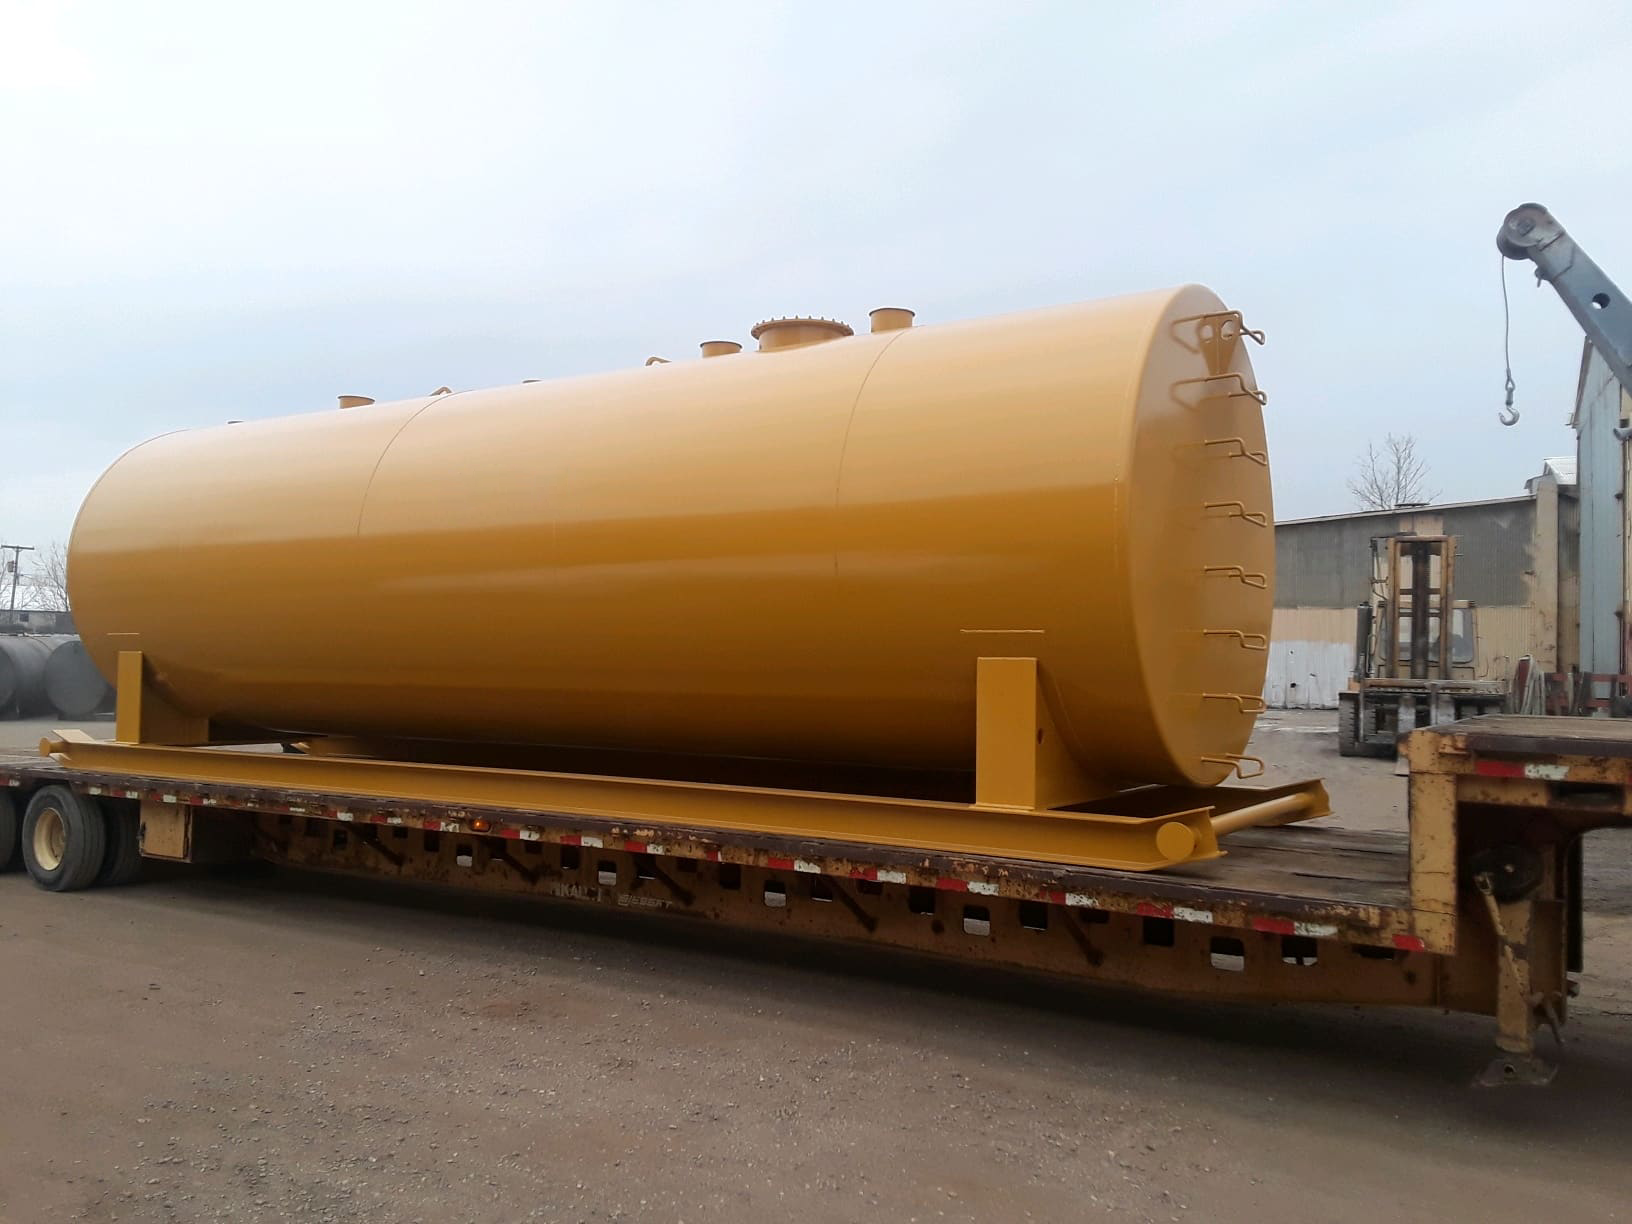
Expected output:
(720, 348)
(355, 401)
(890, 318)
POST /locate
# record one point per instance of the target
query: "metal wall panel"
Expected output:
(1326, 562)
(1603, 548)
(1311, 656)
(1311, 651)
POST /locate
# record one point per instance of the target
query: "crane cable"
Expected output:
(1509, 415)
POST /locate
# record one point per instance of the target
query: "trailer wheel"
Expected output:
(122, 860)
(1348, 724)
(64, 839)
(10, 832)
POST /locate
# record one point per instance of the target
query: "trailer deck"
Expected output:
(1478, 909)
(1317, 881)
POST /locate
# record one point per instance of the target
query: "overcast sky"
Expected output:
(216, 210)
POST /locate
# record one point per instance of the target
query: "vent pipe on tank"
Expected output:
(355, 401)
(774, 334)
(720, 348)
(891, 318)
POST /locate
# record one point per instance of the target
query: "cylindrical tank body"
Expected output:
(798, 553)
(74, 687)
(22, 671)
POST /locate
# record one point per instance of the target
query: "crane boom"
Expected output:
(1530, 232)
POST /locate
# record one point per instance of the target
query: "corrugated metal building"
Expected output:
(1602, 409)
(1516, 562)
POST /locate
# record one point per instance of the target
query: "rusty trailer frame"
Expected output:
(1477, 911)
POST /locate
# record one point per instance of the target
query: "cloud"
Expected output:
(35, 55)
(229, 211)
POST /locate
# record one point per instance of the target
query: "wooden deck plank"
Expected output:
(1526, 735)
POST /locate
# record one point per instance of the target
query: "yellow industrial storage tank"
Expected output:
(798, 552)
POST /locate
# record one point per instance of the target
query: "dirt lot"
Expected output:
(259, 1047)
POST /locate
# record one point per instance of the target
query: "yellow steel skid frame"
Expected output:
(1021, 777)
(1123, 842)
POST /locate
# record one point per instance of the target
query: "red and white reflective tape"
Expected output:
(1288, 926)
(782, 863)
(1081, 900)
(1535, 770)
(981, 888)
(435, 825)
(878, 875)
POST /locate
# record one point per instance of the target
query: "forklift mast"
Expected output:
(1407, 629)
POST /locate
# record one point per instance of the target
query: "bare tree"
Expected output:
(1390, 475)
(48, 580)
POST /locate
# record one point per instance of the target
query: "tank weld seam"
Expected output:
(850, 424)
(362, 506)
(1122, 512)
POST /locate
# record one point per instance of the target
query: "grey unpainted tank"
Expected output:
(23, 659)
(73, 685)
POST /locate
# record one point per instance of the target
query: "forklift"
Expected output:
(1414, 650)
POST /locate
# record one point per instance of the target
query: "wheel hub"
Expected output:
(50, 839)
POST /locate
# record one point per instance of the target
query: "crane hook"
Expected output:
(1510, 414)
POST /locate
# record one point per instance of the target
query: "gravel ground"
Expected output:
(260, 1046)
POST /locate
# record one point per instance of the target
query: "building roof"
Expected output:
(1560, 467)
(1395, 513)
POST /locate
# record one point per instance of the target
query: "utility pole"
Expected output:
(17, 551)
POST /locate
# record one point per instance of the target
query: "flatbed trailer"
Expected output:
(1477, 909)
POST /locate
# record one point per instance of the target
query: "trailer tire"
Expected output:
(65, 838)
(11, 833)
(122, 860)
(1348, 725)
